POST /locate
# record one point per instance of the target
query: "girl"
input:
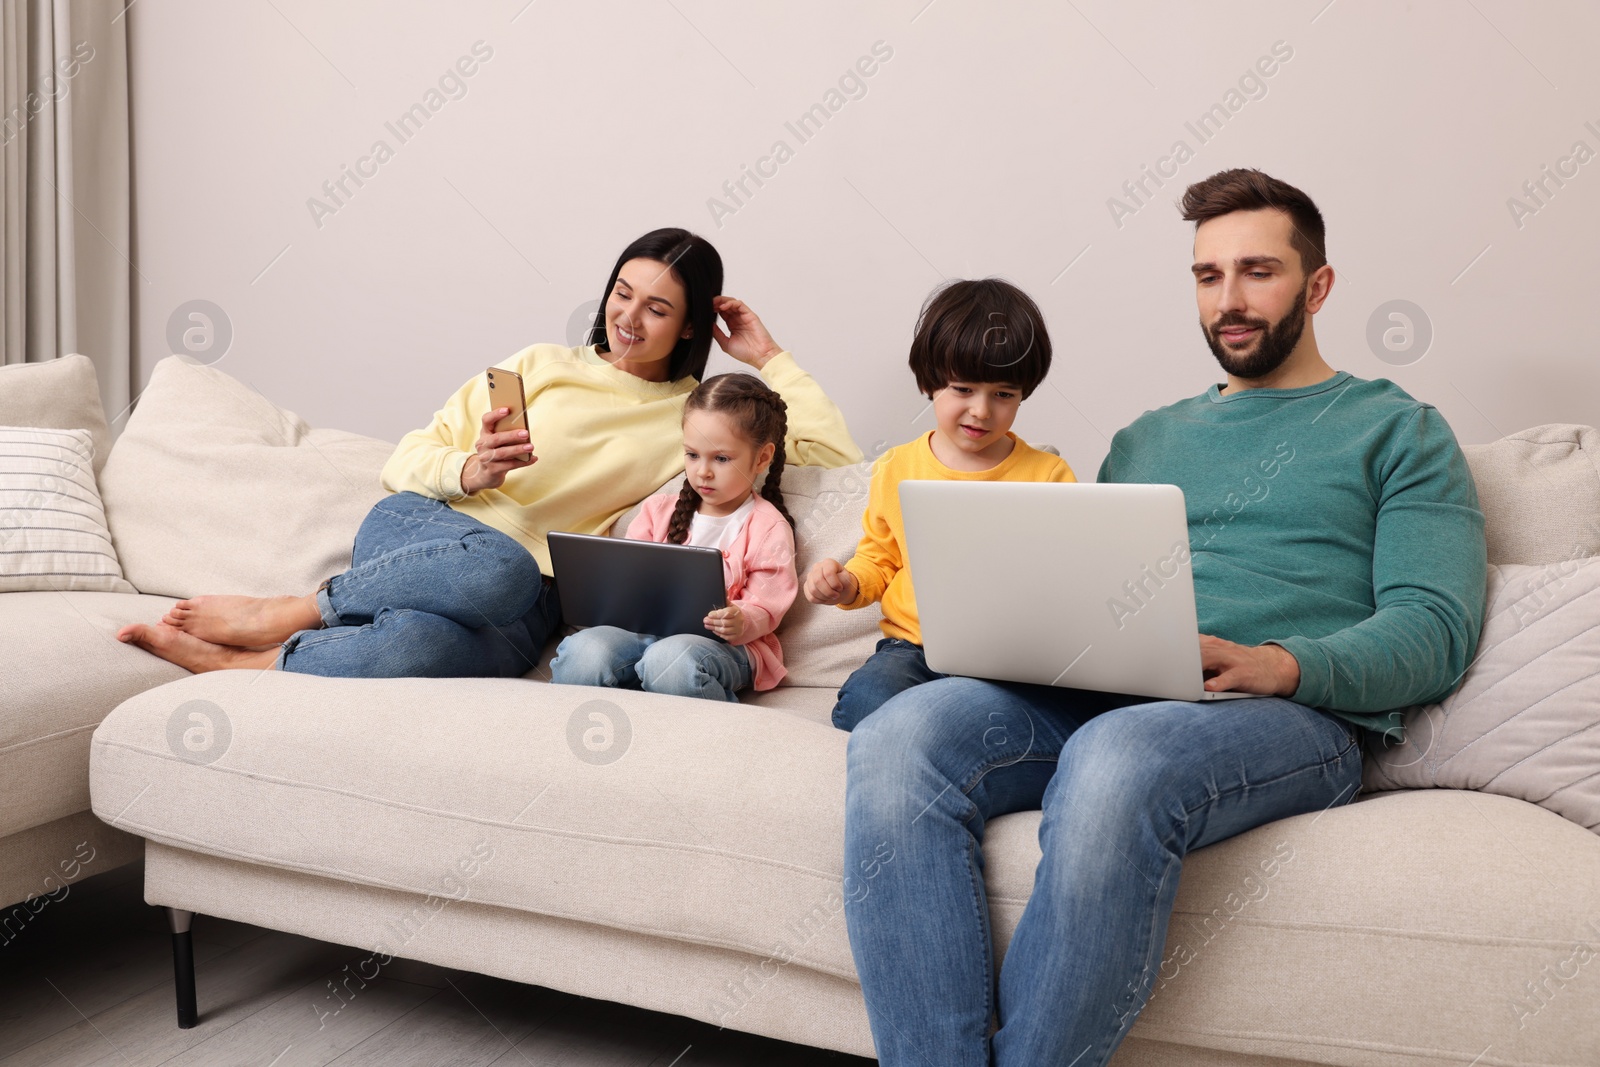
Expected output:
(450, 575)
(733, 433)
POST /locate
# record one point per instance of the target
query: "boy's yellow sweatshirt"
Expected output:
(879, 564)
(605, 439)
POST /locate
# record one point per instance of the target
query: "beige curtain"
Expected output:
(64, 187)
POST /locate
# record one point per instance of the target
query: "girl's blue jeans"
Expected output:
(1127, 790)
(682, 665)
(430, 593)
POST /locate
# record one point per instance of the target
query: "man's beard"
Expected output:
(1274, 344)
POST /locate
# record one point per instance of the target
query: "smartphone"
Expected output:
(505, 391)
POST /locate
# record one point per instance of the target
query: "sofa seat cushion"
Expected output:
(619, 808)
(61, 671)
(812, 703)
(722, 825)
(1429, 927)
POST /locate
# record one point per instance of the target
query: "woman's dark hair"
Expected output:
(698, 267)
(761, 416)
(980, 331)
(1246, 189)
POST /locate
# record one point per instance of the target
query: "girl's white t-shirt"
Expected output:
(720, 531)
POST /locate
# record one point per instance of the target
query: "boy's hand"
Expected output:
(727, 623)
(827, 582)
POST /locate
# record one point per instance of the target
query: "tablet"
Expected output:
(642, 586)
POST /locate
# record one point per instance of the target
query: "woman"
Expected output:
(450, 576)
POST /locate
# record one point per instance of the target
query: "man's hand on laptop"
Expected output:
(1270, 670)
(827, 582)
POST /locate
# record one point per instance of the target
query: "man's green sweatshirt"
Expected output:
(1338, 520)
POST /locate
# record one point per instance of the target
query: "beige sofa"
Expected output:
(59, 676)
(686, 857)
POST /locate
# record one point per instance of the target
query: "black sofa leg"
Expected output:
(183, 965)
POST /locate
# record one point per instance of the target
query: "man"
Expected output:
(1339, 567)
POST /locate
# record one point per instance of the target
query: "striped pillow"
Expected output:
(53, 533)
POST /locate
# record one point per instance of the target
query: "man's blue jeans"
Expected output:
(430, 593)
(1127, 790)
(685, 665)
(894, 666)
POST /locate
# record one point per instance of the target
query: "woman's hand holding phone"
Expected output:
(496, 454)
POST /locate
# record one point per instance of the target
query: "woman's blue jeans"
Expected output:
(681, 665)
(430, 593)
(1127, 790)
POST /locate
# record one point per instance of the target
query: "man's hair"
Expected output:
(1247, 189)
(980, 331)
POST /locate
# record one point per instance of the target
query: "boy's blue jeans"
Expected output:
(430, 593)
(894, 666)
(1127, 790)
(683, 665)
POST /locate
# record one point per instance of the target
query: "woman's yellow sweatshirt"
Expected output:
(605, 439)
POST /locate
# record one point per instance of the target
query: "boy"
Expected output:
(980, 349)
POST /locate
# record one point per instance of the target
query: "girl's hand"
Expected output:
(746, 340)
(827, 582)
(727, 623)
(496, 454)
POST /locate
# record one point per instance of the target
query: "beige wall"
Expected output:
(991, 141)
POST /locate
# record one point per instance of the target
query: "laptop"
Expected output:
(1079, 585)
(642, 586)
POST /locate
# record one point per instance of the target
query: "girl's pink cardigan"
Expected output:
(758, 571)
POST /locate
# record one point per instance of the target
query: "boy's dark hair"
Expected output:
(698, 267)
(1247, 189)
(983, 330)
(762, 417)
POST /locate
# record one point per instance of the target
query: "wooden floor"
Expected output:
(89, 981)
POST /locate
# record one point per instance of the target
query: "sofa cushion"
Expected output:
(213, 489)
(388, 782)
(1525, 721)
(1454, 911)
(809, 703)
(53, 531)
(60, 394)
(486, 791)
(821, 645)
(61, 671)
(1540, 493)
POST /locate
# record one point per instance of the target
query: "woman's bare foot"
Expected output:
(244, 621)
(191, 653)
